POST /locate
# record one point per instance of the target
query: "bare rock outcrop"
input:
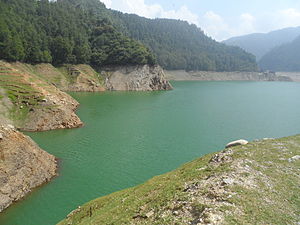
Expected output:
(135, 78)
(23, 166)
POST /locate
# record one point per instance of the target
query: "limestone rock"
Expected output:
(135, 78)
(237, 142)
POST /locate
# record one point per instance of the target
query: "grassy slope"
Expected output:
(252, 184)
(19, 89)
(86, 71)
(60, 76)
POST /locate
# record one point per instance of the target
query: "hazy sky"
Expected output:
(219, 19)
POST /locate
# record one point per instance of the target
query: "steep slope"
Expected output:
(179, 45)
(240, 185)
(283, 58)
(259, 43)
(33, 104)
(23, 166)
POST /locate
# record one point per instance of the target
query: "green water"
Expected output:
(131, 136)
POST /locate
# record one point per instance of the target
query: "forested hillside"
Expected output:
(259, 43)
(283, 58)
(84, 31)
(66, 31)
(179, 45)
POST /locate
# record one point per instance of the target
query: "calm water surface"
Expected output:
(131, 136)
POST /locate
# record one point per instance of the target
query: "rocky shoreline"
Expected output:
(181, 75)
(23, 166)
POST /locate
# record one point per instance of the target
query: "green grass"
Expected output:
(64, 71)
(23, 96)
(275, 200)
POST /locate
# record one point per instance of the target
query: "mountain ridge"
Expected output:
(261, 43)
(285, 58)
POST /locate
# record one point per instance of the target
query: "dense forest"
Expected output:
(179, 45)
(84, 31)
(283, 58)
(64, 32)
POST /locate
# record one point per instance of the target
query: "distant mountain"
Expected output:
(283, 58)
(259, 43)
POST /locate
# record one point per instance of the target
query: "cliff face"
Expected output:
(135, 78)
(32, 103)
(225, 76)
(23, 166)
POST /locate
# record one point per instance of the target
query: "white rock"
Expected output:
(1, 136)
(228, 181)
(237, 142)
(149, 214)
(294, 158)
(10, 126)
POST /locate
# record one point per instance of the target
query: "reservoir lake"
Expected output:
(130, 137)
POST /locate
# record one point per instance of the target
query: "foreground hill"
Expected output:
(259, 44)
(257, 183)
(283, 58)
(85, 32)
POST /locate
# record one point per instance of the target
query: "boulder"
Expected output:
(294, 158)
(237, 142)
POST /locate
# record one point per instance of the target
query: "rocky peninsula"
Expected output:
(23, 166)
